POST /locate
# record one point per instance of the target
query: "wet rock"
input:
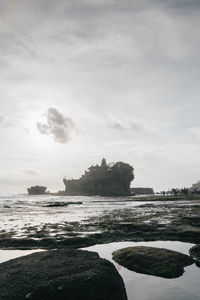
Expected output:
(57, 204)
(195, 254)
(60, 274)
(153, 261)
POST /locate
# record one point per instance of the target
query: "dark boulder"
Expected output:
(58, 204)
(60, 275)
(153, 261)
(195, 254)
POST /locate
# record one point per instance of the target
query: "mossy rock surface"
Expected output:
(60, 275)
(153, 261)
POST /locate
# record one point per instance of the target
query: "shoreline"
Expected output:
(158, 218)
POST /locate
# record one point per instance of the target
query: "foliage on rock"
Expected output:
(103, 180)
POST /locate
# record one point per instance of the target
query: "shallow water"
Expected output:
(18, 212)
(23, 215)
(147, 287)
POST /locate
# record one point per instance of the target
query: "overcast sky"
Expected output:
(85, 79)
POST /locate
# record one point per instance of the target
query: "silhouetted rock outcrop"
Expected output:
(142, 191)
(60, 274)
(37, 190)
(103, 180)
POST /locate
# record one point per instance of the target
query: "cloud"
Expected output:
(30, 172)
(117, 66)
(6, 122)
(125, 126)
(194, 131)
(57, 125)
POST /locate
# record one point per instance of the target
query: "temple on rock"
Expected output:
(103, 180)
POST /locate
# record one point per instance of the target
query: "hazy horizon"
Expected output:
(82, 80)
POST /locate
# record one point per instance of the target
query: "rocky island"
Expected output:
(37, 190)
(103, 180)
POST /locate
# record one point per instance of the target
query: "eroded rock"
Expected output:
(60, 274)
(153, 261)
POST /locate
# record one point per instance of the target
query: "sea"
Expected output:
(21, 211)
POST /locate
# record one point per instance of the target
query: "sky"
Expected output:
(85, 79)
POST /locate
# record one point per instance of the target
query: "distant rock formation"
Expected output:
(103, 180)
(37, 190)
(142, 191)
(60, 274)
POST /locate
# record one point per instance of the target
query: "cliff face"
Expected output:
(103, 180)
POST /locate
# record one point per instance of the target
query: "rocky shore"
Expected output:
(155, 219)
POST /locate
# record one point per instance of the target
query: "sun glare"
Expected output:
(36, 136)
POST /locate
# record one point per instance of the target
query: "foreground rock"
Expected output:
(195, 254)
(153, 261)
(60, 274)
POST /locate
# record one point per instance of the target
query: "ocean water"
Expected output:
(19, 212)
